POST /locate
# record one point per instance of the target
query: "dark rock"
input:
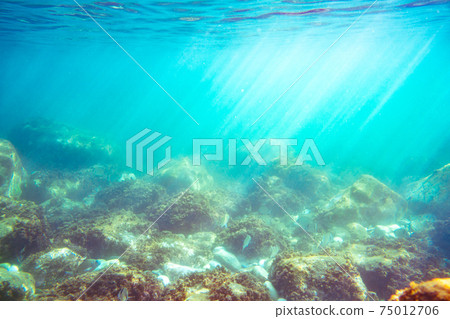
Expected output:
(23, 229)
(305, 278)
(98, 286)
(48, 144)
(15, 285)
(218, 285)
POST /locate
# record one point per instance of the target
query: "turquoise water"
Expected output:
(376, 101)
(368, 81)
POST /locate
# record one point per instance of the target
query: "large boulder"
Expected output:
(23, 229)
(134, 195)
(12, 174)
(54, 145)
(180, 174)
(386, 265)
(262, 239)
(295, 188)
(190, 213)
(14, 284)
(367, 202)
(303, 278)
(100, 235)
(218, 285)
(431, 194)
(53, 266)
(80, 185)
(156, 250)
(118, 283)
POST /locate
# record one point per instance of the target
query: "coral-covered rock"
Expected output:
(139, 286)
(431, 194)
(134, 195)
(386, 265)
(227, 259)
(263, 239)
(53, 266)
(310, 183)
(367, 202)
(53, 145)
(191, 213)
(23, 229)
(80, 185)
(293, 187)
(62, 211)
(437, 289)
(156, 250)
(102, 235)
(219, 285)
(180, 174)
(15, 284)
(12, 174)
(440, 236)
(304, 278)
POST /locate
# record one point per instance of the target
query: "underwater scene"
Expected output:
(238, 150)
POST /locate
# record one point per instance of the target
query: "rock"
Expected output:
(219, 285)
(437, 289)
(259, 272)
(431, 194)
(164, 280)
(388, 231)
(440, 236)
(102, 236)
(80, 185)
(386, 265)
(23, 229)
(293, 187)
(53, 266)
(15, 285)
(272, 291)
(227, 259)
(191, 213)
(367, 202)
(52, 145)
(91, 286)
(203, 240)
(12, 174)
(62, 211)
(152, 252)
(298, 277)
(135, 195)
(175, 271)
(263, 238)
(310, 183)
(357, 231)
(180, 174)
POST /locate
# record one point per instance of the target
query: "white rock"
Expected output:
(272, 291)
(164, 279)
(227, 259)
(386, 231)
(175, 271)
(212, 265)
(260, 273)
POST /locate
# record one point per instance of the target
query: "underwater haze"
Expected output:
(367, 81)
